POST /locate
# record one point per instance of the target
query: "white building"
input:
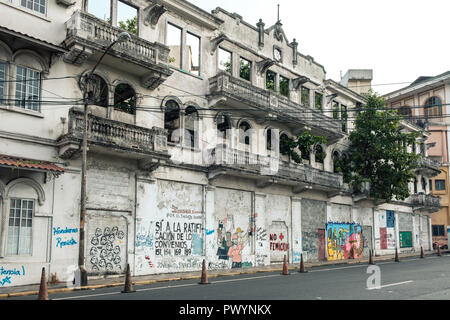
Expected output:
(159, 200)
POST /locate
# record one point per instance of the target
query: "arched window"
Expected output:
(125, 98)
(172, 120)
(433, 108)
(245, 132)
(98, 91)
(190, 125)
(223, 124)
(320, 154)
(269, 136)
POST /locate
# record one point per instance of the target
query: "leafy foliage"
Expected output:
(303, 143)
(129, 25)
(378, 153)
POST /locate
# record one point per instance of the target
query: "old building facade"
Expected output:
(425, 101)
(183, 159)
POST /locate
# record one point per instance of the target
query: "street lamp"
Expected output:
(122, 37)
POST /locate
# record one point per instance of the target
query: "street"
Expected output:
(411, 278)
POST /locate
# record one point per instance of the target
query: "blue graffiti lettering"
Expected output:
(5, 280)
(60, 243)
(57, 231)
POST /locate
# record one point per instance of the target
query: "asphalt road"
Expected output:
(410, 279)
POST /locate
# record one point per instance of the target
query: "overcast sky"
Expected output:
(399, 40)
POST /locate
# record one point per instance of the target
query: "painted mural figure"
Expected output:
(341, 238)
(231, 243)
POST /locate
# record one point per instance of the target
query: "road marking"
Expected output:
(390, 285)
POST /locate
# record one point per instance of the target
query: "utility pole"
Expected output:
(123, 37)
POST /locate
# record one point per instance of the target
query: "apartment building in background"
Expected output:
(426, 103)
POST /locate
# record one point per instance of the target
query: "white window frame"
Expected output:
(4, 84)
(19, 239)
(28, 85)
(33, 5)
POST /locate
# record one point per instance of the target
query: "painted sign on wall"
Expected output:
(406, 239)
(341, 238)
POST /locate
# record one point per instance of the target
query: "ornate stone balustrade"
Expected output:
(87, 34)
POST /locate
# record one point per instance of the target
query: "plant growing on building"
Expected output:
(377, 155)
(302, 143)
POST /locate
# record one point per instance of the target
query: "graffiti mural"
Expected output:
(341, 238)
(106, 250)
(231, 241)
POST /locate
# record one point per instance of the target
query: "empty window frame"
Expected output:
(284, 86)
(245, 69)
(305, 95)
(344, 117)
(174, 35)
(127, 17)
(100, 8)
(336, 113)
(35, 5)
(318, 99)
(223, 126)
(225, 62)
(320, 154)
(98, 91)
(244, 133)
(270, 80)
(191, 127)
(192, 53)
(27, 88)
(125, 98)
(20, 226)
(172, 121)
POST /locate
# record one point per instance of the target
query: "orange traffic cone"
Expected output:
(285, 267)
(204, 279)
(302, 265)
(43, 290)
(128, 284)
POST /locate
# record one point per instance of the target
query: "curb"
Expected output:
(117, 284)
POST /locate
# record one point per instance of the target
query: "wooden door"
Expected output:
(321, 244)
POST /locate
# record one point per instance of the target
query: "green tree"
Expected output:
(129, 25)
(303, 143)
(377, 154)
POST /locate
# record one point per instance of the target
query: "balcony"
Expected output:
(425, 203)
(88, 36)
(106, 136)
(238, 93)
(428, 167)
(267, 171)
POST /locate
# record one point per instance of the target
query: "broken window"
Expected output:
(284, 86)
(125, 98)
(127, 17)
(270, 80)
(305, 96)
(172, 121)
(223, 125)
(101, 9)
(244, 132)
(174, 44)
(320, 154)
(318, 100)
(245, 69)
(193, 53)
(336, 110)
(224, 60)
(190, 125)
(98, 91)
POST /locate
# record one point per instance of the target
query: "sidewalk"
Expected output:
(118, 281)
